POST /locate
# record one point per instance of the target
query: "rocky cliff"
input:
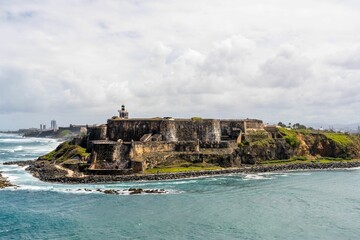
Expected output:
(301, 145)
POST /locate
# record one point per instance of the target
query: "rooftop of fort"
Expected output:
(116, 118)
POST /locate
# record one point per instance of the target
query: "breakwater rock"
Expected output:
(48, 172)
(20, 163)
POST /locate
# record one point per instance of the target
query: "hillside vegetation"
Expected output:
(66, 151)
(301, 145)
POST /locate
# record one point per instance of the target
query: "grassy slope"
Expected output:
(341, 139)
(182, 166)
(290, 137)
(64, 152)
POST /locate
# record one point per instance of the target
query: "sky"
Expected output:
(78, 61)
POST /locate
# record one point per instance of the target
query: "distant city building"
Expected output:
(42, 127)
(123, 113)
(53, 124)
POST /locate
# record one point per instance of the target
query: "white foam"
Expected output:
(18, 148)
(12, 178)
(255, 177)
(84, 189)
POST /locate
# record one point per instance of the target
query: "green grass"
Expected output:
(64, 152)
(196, 119)
(65, 133)
(256, 135)
(339, 138)
(181, 168)
(263, 142)
(305, 131)
(290, 137)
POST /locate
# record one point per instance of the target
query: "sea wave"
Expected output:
(256, 177)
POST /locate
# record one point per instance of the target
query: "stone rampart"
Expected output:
(138, 149)
(253, 124)
(231, 128)
(204, 130)
(109, 155)
(132, 129)
(97, 133)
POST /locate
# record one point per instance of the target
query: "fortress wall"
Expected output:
(228, 126)
(106, 150)
(169, 131)
(254, 124)
(205, 130)
(128, 130)
(188, 146)
(140, 148)
(97, 133)
(110, 155)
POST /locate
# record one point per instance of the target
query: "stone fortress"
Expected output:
(129, 145)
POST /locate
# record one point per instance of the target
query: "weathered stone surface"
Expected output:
(205, 130)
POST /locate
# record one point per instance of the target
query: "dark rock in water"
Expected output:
(111, 191)
(154, 191)
(140, 190)
(135, 190)
(20, 163)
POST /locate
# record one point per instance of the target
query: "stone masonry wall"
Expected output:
(109, 155)
(253, 123)
(206, 130)
(97, 133)
(140, 148)
(129, 129)
(228, 127)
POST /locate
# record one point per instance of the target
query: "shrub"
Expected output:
(290, 137)
(196, 119)
(256, 135)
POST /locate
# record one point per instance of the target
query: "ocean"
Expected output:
(289, 205)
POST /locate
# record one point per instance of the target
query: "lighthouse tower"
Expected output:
(123, 113)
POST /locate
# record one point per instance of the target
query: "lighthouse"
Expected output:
(123, 113)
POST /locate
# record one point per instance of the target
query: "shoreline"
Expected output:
(4, 182)
(48, 172)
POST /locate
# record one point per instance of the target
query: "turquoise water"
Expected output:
(297, 205)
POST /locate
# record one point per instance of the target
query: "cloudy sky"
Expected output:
(276, 60)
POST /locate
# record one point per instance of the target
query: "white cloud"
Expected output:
(287, 69)
(279, 60)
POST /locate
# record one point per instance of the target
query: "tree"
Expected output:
(299, 126)
(281, 124)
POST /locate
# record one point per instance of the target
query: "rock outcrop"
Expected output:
(4, 182)
(301, 144)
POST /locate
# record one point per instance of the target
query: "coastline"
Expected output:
(4, 183)
(50, 173)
